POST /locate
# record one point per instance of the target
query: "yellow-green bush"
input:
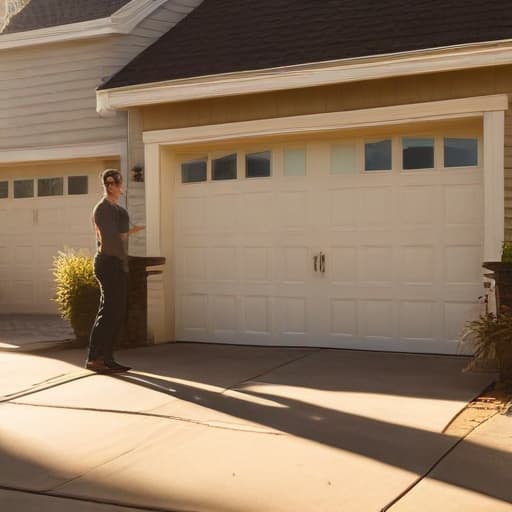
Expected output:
(77, 294)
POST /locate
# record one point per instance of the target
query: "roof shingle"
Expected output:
(222, 36)
(51, 13)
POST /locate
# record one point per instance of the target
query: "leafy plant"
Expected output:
(506, 255)
(77, 294)
(492, 338)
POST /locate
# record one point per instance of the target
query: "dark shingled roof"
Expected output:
(52, 13)
(222, 36)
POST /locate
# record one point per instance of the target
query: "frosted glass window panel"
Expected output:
(194, 170)
(418, 153)
(78, 185)
(344, 159)
(23, 189)
(224, 168)
(47, 187)
(4, 189)
(377, 155)
(295, 162)
(258, 165)
(460, 152)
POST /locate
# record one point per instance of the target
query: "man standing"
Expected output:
(112, 225)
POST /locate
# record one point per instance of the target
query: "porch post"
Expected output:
(494, 184)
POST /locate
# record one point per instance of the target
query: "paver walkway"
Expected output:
(33, 332)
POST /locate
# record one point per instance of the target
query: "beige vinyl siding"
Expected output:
(508, 173)
(47, 92)
(351, 96)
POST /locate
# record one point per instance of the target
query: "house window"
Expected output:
(344, 159)
(23, 189)
(194, 170)
(50, 187)
(417, 153)
(257, 165)
(295, 162)
(4, 189)
(78, 185)
(224, 168)
(377, 155)
(460, 152)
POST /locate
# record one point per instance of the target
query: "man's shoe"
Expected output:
(116, 367)
(98, 366)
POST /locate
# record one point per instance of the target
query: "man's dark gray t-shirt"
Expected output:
(112, 220)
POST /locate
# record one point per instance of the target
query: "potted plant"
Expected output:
(77, 291)
(491, 336)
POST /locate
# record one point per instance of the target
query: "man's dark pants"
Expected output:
(113, 282)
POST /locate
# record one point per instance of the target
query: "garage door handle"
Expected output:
(322, 263)
(315, 262)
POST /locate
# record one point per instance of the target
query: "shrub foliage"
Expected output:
(77, 294)
(492, 338)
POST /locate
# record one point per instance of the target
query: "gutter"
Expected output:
(495, 53)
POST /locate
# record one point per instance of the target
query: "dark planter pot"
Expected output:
(135, 332)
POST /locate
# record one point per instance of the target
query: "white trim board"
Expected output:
(101, 149)
(122, 21)
(436, 110)
(309, 75)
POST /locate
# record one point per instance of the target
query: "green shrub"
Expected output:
(506, 255)
(492, 339)
(77, 294)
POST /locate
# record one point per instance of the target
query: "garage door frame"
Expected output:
(491, 108)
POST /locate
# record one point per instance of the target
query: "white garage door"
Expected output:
(372, 244)
(42, 211)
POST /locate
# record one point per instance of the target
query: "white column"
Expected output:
(157, 327)
(152, 185)
(494, 184)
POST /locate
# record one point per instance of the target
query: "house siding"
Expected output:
(351, 96)
(47, 92)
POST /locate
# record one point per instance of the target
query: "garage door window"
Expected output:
(4, 189)
(417, 153)
(50, 187)
(23, 189)
(460, 152)
(78, 185)
(344, 159)
(377, 155)
(194, 170)
(224, 168)
(257, 165)
(295, 162)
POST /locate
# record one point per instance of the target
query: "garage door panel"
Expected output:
(420, 320)
(257, 265)
(419, 205)
(257, 319)
(462, 264)
(403, 253)
(376, 319)
(463, 204)
(456, 314)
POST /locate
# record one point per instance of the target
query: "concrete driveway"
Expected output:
(226, 428)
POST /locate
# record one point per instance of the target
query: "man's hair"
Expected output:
(110, 176)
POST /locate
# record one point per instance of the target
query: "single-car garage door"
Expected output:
(372, 243)
(43, 209)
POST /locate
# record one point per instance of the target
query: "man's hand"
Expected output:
(136, 229)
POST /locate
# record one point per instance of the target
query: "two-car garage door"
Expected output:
(364, 243)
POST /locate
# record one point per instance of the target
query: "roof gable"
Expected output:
(225, 36)
(40, 14)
